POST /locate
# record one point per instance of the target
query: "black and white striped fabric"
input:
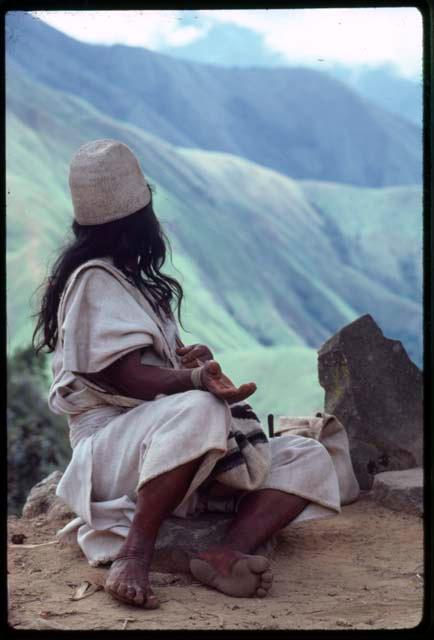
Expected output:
(248, 457)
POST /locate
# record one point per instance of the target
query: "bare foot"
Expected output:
(234, 573)
(127, 581)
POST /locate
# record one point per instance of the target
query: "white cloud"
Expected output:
(134, 28)
(349, 36)
(185, 35)
(303, 36)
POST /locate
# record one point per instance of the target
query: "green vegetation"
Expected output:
(37, 439)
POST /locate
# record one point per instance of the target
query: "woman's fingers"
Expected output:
(194, 352)
(212, 378)
(191, 356)
(218, 383)
(243, 392)
(192, 364)
(248, 386)
(183, 350)
(231, 393)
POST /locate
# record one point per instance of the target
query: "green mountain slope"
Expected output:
(231, 45)
(286, 379)
(342, 250)
(265, 259)
(300, 122)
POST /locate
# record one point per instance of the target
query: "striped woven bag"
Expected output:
(248, 458)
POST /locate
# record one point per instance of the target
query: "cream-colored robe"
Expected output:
(120, 443)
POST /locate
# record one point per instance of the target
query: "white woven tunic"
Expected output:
(120, 443)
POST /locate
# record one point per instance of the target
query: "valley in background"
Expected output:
(293, 205)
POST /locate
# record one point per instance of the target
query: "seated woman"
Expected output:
(149, 418)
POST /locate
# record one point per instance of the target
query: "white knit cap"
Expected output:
(106, 182)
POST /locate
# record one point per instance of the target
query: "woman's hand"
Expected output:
(194, 355)
(215, 381)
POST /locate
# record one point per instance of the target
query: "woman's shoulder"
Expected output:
(97, 269)
(97, 277)
(95, 265)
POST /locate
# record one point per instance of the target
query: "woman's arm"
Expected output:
(127, 376)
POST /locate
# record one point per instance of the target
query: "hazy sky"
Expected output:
(349, 36)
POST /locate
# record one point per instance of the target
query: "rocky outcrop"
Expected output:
(400, 490)
(179, 538)
(375, 390)
(42, 500)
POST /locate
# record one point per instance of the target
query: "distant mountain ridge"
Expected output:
(265, 260)
(231, 45)
(299, 122)
(402, 96)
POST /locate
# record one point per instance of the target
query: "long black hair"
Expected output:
(137, 245)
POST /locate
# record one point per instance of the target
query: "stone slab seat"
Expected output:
(177, 540)
(400, 490)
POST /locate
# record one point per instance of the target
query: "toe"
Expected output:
(131, 593)
(264, 585)
(258, 564)
(152, 602)
(202, 570)
(139, 598)
(109, 585)
(267, 577)
(121, 589)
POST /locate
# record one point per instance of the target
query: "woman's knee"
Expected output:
(205, 400)
(284, 450)
(206, 405)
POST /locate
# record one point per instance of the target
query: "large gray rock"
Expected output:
(42, 500)
(375, 390)
(177, 540)
(400, 490)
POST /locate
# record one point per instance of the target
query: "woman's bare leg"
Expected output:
(229, 566)
(127, 579)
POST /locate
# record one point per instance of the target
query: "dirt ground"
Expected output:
(362, 569)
